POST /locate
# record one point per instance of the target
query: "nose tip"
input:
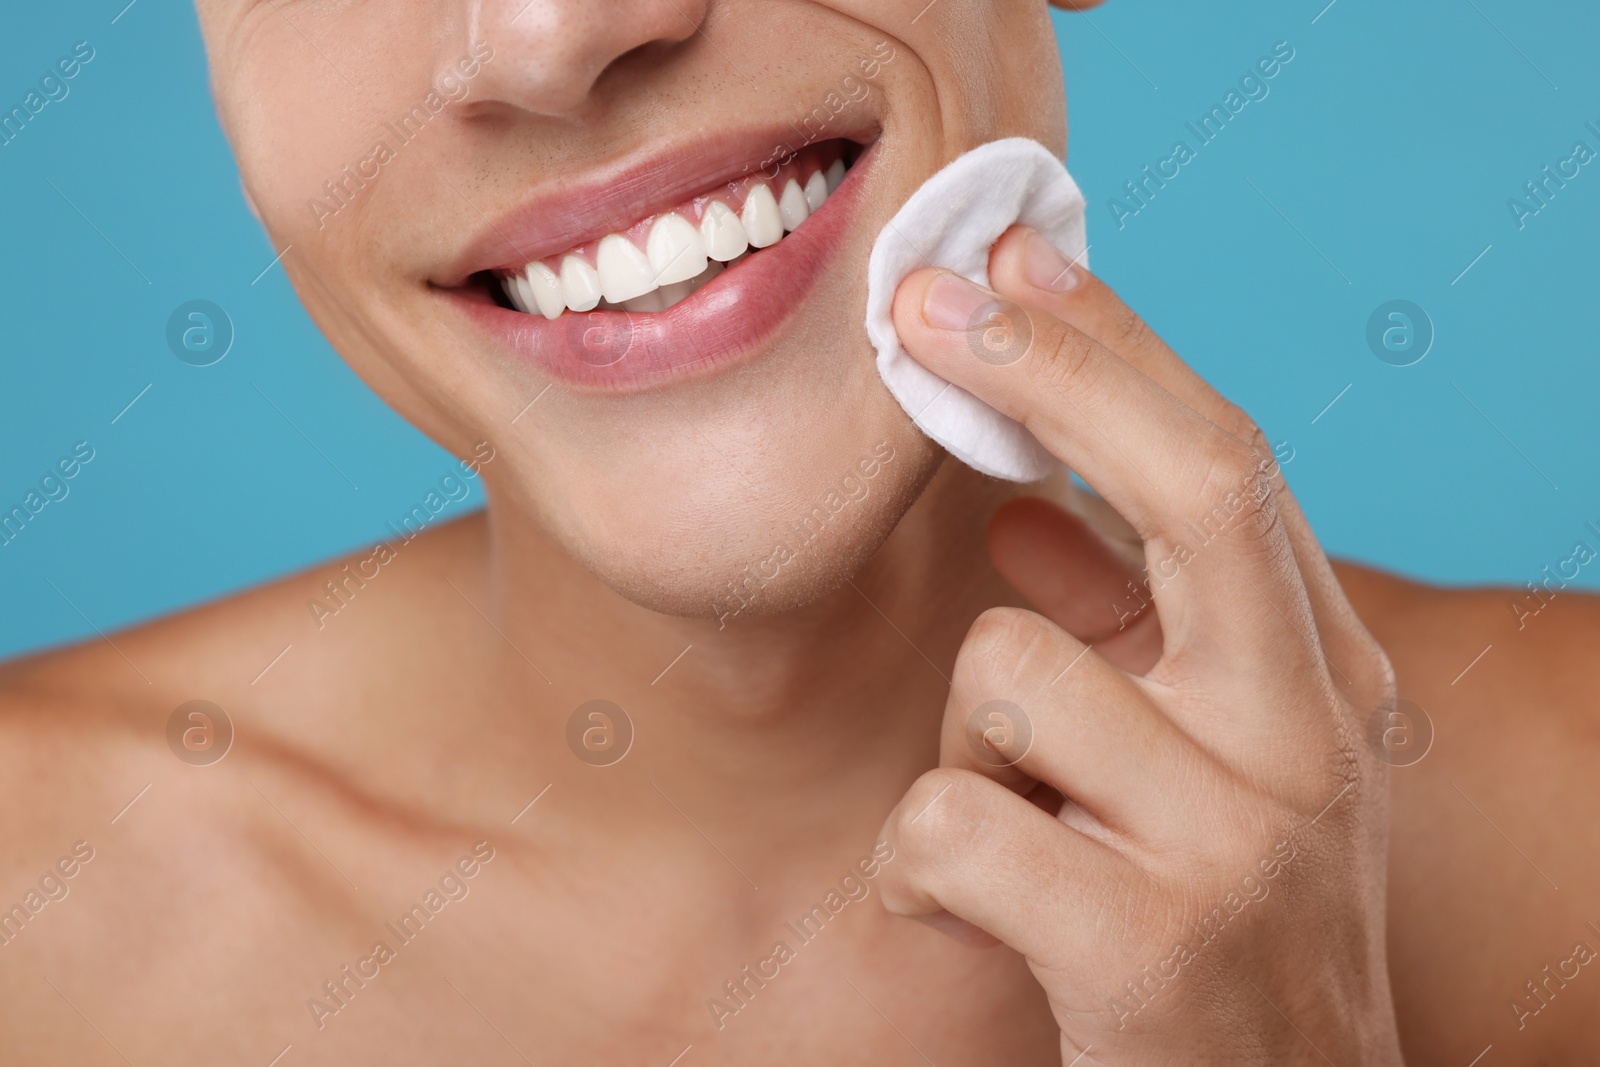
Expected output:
(549, 55)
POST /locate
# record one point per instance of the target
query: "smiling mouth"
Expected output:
(662, 267)
(664, 258)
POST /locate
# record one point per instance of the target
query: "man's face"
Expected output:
(432, 165)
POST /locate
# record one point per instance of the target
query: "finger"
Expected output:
(1076, 580)
(1030, 703)
(1023, 262)
(964, 845)
(957, 929)
(1024, 265)
(1155, 459)
(1075, 395)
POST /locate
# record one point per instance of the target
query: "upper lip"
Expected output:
(569, 210)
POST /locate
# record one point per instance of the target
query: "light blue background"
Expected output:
(1382, 162)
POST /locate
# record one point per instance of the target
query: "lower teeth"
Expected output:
(664, 297)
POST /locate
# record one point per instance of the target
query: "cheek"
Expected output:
(1011, 88)
(301, 131)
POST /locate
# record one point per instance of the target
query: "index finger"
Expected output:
(1165, 467)
(1023, 261)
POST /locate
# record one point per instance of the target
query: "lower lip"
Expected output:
(719, 326)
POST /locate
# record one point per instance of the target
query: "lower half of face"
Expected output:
(629, 248)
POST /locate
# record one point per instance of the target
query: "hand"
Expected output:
(1212, 889)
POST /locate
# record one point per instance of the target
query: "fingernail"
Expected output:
(1045, 267)
(952, 302)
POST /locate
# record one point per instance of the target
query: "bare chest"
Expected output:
(491, 956)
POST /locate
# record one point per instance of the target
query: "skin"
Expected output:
(773, 755)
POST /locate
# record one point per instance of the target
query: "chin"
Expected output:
(721, 447)
(740, 529)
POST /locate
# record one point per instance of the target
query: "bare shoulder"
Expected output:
(1494, 878)
(83, 728)
(151, 854)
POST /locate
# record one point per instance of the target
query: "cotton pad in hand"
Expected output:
(951, 222)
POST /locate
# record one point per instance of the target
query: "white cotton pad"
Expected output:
(951, 222)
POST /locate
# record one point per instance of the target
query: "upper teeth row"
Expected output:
(678, 256)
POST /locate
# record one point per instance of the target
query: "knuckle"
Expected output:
(1238, 424)
(1261, 449)
(1071, 368)
(1376, 682)
(1256, 461)
(1131, 331)
(940, 818)
(1376, 658)
(997, 648)
(1239, 492)
(1338, 794)
(1230, 463)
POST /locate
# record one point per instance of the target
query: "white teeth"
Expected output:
(722, 232)
(678, 258)
(624, 271)
(516, 294)
(675, 249)
(580, 285)
(763, 224)
(650, 301)
(667, 295)
(541, 284)
(792, 207)
(671, 294)
(712, 270)
(816, 190)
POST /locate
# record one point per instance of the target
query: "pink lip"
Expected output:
(622, 351)
(616, 194)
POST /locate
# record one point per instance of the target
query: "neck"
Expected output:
(809, 721)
